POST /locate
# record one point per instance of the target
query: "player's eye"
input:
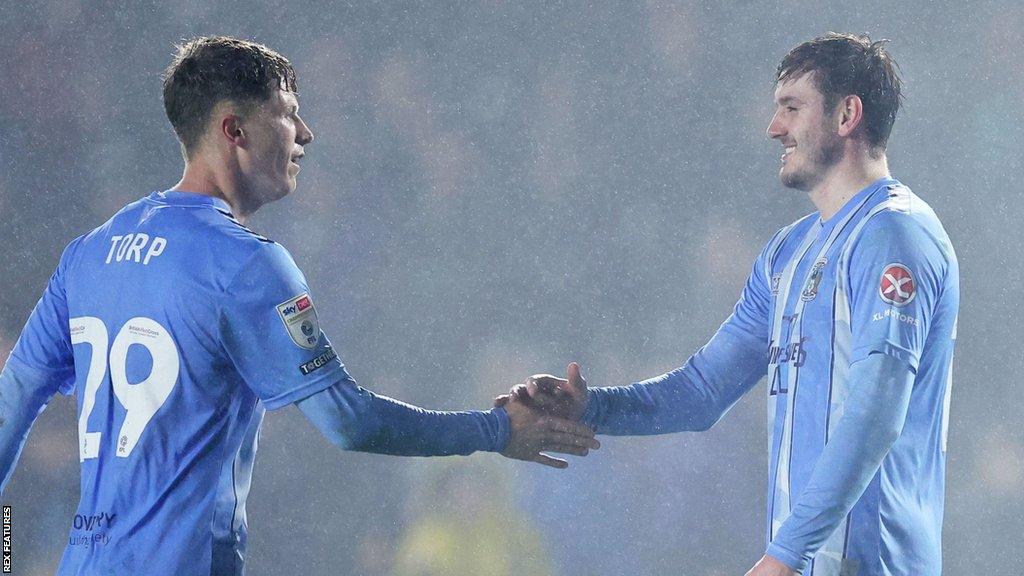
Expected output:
(791, 108)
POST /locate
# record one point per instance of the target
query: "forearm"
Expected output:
(874, 415)
(354, 418)
(23, 395)
(690, 398)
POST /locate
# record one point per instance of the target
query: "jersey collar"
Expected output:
(179, 198)
(855, 201)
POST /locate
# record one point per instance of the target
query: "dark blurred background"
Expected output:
(497, 188)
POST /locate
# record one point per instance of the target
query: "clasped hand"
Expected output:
(564, 401)
(544, 414)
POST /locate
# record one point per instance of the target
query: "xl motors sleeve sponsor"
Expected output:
(896, 274)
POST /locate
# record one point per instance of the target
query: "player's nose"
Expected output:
(303, 136)
(775, 127)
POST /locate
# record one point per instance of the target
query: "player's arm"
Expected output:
(353, 418)
(872, 421)
(690, 398)
(270, 330)
(40, 364)
(885, 352)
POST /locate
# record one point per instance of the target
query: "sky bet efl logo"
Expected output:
(301, 304)
(299, 317)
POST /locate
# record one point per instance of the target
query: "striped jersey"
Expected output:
(880, 276)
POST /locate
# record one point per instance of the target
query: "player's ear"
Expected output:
(849, 114)
(231, 130)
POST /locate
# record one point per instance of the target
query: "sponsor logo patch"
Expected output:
(299, 317)
(897, 285)
(776, 281)
(318, 362)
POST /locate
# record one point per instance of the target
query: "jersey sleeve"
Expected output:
(44, 346)
(896, 274)
(696, 395)
(269, 327)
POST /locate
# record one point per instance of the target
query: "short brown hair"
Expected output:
(846, 64)
(211, 69)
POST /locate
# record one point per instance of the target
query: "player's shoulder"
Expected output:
(792, 232)
(901, 216)
(240, 249)
(902, 223)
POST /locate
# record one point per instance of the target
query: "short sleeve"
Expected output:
(896, 270)
(269, 327)
(45, 343)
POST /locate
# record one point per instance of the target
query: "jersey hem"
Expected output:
(65, 375)
(301, 393)
(889, 349)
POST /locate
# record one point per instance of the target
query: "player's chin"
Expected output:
(283, 188)
(791, 178)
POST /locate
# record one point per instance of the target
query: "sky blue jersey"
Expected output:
(184, 327)
(879, 277)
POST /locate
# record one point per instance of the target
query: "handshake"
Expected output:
(544, 416)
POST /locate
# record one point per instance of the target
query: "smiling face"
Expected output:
(807, 132)
(274, 139)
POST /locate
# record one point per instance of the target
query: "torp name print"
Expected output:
(897, 285)
(129, 247)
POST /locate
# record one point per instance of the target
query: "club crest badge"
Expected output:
(897, 285)
(299, 317)
(811, 288)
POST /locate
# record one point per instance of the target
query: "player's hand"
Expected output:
(533, 432)
(564, 398)
(768, 566)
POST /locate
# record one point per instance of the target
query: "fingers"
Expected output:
(551, 437)
(575, 383)
(570, 427)
(519, 393)
(543, 383)
(571, 449)
(549, 461)
(502, 400)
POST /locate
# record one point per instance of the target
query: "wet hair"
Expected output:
(211, 69)
(842, 65)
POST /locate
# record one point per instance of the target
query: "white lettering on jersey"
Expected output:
(131, 246)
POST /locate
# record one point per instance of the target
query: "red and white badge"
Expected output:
(898, 286)
(299, 317)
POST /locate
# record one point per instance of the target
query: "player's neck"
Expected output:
(199, 179)
(844, 180)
